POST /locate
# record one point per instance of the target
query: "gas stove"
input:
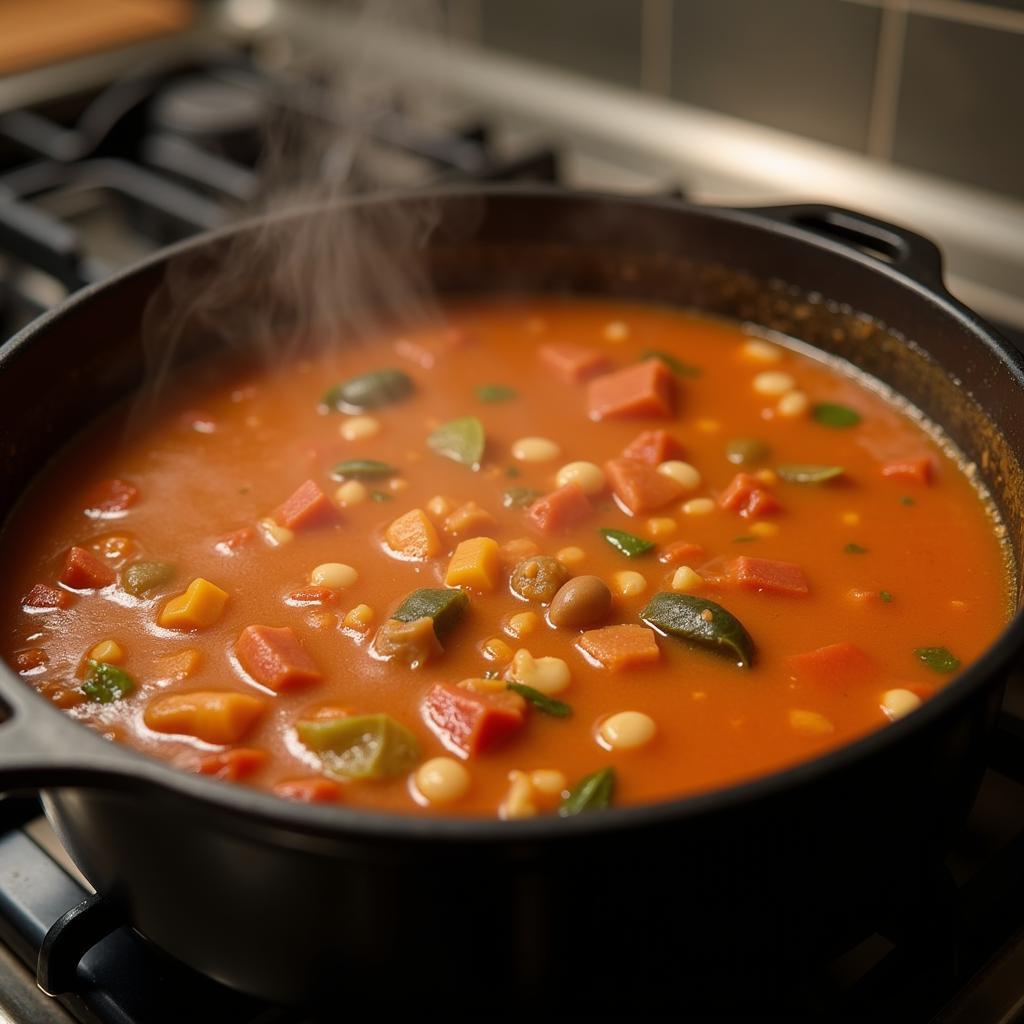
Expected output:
(101, 174)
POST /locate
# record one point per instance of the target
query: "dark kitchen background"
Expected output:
(129, 124)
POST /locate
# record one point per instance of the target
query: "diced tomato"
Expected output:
(620, 647)
(639, 486)
(644, 389)
(28, 661)
(560, 510)
(653, 447)
(230, 543)
(110, 497)
(275, 658)
(313, 595)
(84, 571)
(837, 665)
(573, 363)
(233, 765)
(681, 552)
(748, 496)
(470, 723)
(769, 577)
(308, 506)
(43, 596)
(428, 350)
(315, 790)
(915, 471)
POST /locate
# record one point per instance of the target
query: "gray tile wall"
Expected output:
(937, 85)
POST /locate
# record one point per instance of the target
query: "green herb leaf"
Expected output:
(885, 596)
(746, 451)
(938, 659)
(446, 607)
(512, 472)
(907, 500)
(701, 622)
(492, 393)
(460, 440)
(362, 469)
(369, 390)
(592, 793)
(519, 497)
(626, 543)
(106, 683)
(855, 549)
(541, 701)
(360, 746)
(380, 496)
(141, 578)
(677, 366)
(807, 474)
(829, 414)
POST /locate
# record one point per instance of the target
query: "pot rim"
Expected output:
(342, 822)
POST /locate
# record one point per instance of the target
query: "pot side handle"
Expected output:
(911, 254)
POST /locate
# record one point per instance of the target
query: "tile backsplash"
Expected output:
(936, 85)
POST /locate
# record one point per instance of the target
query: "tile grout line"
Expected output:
(656, 47)
(963, 12)
(885, 88)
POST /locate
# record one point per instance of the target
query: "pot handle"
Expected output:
(911, 254)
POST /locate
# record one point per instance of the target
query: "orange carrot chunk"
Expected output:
(84, 571)
(769, 577)
(837, 665)
(308, 506)
(653, 447)
(275, 658)
(110, 496)
(313, 595)
(681, 552)
(915, 471)
(213, 716)
(639, 486)
(469, 723)
(573, 363)
(234, 765)
(748, 496)
(43, 596)
(620, 647)
(313, 790)
(560, 510)
(644, 389)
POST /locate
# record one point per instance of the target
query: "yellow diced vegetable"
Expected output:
(109, 651)
(201, 605)
(475, 564)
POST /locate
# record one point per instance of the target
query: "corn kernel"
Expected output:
(682, 472)
(570, 556)
(535, 449)
(351, 492)
(793, 404)
(109, 651)
(708, 426)
(758, 351)
(810, 723)
(767, 476)
(334, 575)
(615, 330)
(587, 475)
(661, 526)
(440, 506)
(398, 484)
(496, 649)
(359, 428)
(359, 618)
(773, 383)
(850, 519)
(628, 583)
(549, 675)
(626, 730)
(477, 684)
(897, 703)
(763, 529)
(699, 507)
(442, 780)
(685, 579)
(522, 624)
(274, 534)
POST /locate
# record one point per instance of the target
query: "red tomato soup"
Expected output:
(558, 554)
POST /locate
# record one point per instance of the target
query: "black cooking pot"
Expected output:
(706, 897)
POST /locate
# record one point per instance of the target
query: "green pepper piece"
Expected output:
(592, 793)
(105, 683)
(677, 366)
(829, 414)
(855, 549)
(492, 393)
(541, 701)
(938, 659)
(519, 497)
(746, 451)
(806, 474)
(369, 391)
(360, 746)
(362, 469)
(445, 607)
(380, 496)
(700, 622)
(460, 440)
(141, 578)
(627, 543)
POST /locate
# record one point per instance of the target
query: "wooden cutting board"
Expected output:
(39, 32)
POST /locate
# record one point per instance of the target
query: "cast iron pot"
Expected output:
(705, 899)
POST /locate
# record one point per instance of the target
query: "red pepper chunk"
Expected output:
(275, 658)
(769, 577)
(915, 471)
(837, 665)
(653, 447)
(84, 571)
(644, 389)
(681, 552)
(639, 486)
(313, 790)
(573, 363)
(469, 723)
(43, 596)
(110, 496)
(308, 506)
(233, 765)
(560, 510)
(748, 496)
